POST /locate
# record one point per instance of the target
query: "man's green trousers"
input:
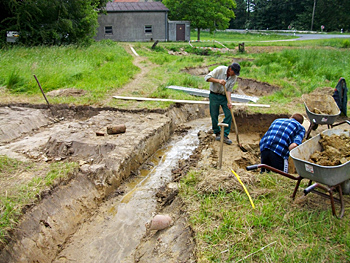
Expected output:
(215, 101)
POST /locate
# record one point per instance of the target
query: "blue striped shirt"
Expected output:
(281, 134)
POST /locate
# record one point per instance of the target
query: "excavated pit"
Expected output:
(74, 216)
(245, 86)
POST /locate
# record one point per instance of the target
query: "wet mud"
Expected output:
(69, 134)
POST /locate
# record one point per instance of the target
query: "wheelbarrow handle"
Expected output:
(252, 167)
(261, 165)
(308, 189)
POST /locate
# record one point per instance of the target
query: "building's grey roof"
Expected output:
(136, 7)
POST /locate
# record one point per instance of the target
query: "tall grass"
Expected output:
(96, 69)
(105, 66)
(299, 71)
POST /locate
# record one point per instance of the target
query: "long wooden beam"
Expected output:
(187, 101)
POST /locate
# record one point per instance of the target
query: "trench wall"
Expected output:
(44, 229)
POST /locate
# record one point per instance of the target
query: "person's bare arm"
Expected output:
(292, 146)
(220, 81)
(229, 102)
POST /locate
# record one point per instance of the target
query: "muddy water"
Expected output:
(113, 233)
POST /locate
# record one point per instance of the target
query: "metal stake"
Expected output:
(48, 104)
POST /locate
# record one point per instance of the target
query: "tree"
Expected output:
(54, 22)
(203, 14)
(241, 15)
(278, 14)
(333, 14)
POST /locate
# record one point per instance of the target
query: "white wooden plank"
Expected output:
(187, 101)
(205, 93)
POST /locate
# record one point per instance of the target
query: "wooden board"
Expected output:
(187, 101)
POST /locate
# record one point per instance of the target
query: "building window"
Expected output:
(108, 30)
(148, 29)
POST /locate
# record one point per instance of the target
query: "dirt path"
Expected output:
(142, 83)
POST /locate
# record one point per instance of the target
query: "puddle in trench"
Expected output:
(114, 233)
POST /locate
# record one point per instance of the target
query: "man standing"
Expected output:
(218, 78)
(282, 136)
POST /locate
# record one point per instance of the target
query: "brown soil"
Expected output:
(322, 104)
(66, 93)
(335, 150)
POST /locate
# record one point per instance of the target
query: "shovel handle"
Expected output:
(233, 119)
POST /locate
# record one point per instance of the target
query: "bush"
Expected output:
(345, 43)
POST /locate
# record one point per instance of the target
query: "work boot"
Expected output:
(227, 140)
(217, 137)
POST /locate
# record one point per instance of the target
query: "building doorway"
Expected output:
(180, 32)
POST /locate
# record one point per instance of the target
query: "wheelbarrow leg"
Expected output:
(313, 126)
(296, 187)
(330, 196)
(341, 202)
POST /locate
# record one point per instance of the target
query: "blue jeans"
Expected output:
(215, 101)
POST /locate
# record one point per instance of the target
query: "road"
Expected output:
(313, 36)
(298, 35)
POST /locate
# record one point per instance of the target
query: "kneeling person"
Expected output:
(282, 136)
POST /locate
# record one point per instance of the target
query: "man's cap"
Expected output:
(236, 68)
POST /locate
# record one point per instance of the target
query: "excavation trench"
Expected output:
(99, 214)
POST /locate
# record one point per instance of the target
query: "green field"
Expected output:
(105, 67)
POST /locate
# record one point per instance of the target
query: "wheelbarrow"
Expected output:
(329, 180)
(321, 109)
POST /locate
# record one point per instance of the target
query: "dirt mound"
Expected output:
(219, 180)
(323, 90)
(199, 71)
(335, 150)
(66, 92)
(252, 87)
(321, 104)
(264, 49)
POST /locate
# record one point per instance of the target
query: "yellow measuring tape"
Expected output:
(245, 189)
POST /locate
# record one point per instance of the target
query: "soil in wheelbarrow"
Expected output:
(335, 150)
(320, 104)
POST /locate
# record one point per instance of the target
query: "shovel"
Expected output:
(235, 125)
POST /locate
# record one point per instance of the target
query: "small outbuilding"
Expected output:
(179, 30)
(140, 21)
